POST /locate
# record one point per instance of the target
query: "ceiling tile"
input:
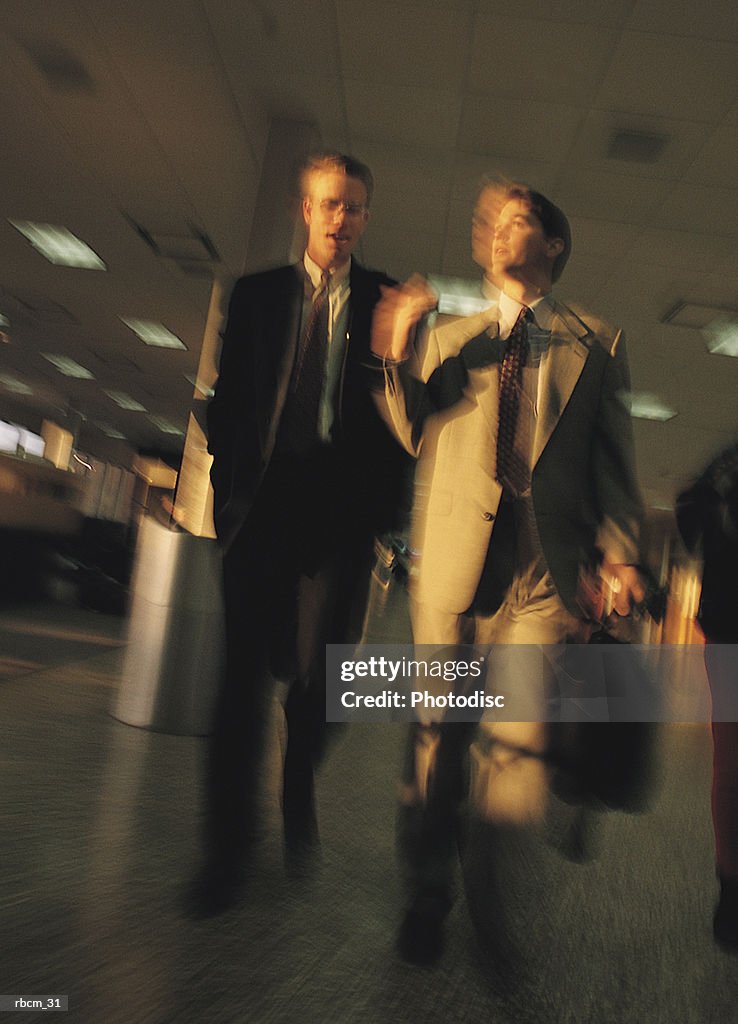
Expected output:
(595, 12)
(718, 21)
(268, 40)
(409, 115)
(401, 255)
(717, 162)
(731, 116)
(670, 76)
(407, 169)
(606, 238)
(685, 250)
(665, 287)
(584, 279)
(511, 128)
(700, 209)
(456, 260)
(412, 211)
(684, 140)
(607, 196)
(400, 44)
(507, 58)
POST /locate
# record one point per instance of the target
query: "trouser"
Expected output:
(284, 601)
(434, 781)
(722, 672)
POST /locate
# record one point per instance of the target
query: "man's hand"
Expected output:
(625, 585)
(397, 313)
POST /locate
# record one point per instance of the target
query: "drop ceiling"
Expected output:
(141, 127)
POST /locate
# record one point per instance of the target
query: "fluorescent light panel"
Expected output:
(59, 245)
(153, 333)
(14, 385)
(68, 366)
(643, 405)
(111, 431)
(166, 426)
(125, 401)
(206, 391)
(722, 337)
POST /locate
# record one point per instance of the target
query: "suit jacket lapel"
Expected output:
(474, 340)
(560, 370)
(281, 334)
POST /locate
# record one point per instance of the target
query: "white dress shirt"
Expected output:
(339, 292)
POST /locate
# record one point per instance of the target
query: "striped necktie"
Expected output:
(510, 472)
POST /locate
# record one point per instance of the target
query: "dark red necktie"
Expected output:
(511, 473)
(300, 423)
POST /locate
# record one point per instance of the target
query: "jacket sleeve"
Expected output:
(613, 463)
(420, 387)
(231, 415)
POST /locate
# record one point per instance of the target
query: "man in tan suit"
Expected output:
(525, 476)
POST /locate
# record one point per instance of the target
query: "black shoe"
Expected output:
(420, 940)
(215, 888)
(725, 921)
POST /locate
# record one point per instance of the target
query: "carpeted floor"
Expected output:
(99, 832)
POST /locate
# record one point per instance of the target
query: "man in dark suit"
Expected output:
(305, 475)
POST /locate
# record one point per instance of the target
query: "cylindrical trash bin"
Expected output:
(174, 658)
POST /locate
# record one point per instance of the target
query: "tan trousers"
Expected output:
(508, 774)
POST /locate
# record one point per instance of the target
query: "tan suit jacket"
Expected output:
(442, 405)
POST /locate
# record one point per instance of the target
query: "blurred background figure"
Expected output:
(707, 515)
(304, 475)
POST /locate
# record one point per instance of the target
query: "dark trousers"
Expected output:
(722, 672)
(295, 579)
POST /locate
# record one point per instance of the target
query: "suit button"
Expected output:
(488, 516)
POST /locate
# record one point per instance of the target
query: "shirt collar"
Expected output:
(542, 310)
(489, 290)
(335, 277)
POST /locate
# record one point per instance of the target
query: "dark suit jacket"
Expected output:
(259, 348)
(707, 516)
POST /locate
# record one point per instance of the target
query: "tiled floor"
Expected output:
(99, 831)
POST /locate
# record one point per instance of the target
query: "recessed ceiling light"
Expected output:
(153, 333)
(125, 401)
(14, 385)
(643, 405)
(59, 245)
(166, 426)
(68, 366)
(636, 147)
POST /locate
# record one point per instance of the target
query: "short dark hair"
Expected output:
(553, 221)
(337, 162)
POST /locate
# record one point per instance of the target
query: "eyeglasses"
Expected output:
(332, 207)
